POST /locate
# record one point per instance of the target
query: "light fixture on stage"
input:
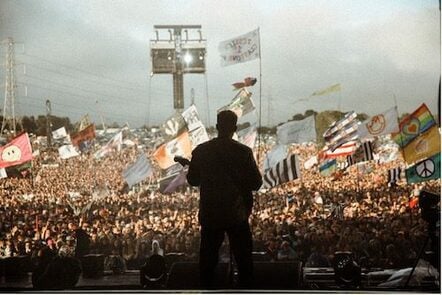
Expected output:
(347, 271)
(188, 58)
(178, 55)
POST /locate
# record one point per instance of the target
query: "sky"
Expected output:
(94, 56)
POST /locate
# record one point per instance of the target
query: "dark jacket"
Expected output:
(227, 173)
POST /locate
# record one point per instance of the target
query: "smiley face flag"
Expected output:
(16, 152)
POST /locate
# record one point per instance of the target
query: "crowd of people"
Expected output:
(81, 206)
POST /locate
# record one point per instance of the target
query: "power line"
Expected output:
(83, 71)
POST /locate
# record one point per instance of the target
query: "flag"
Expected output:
(191, 118)
(274, 156)
(249, 81)
(423, 146)
(84, 135)
(311, 162)
(67, 151)
(59, 133)
(380, 124)
(412, 125)
(285, 171)
(84, 123)
(424, 170)
(247, 136)
(241, 104)
(172, 127)
(297, 131)
(114, 143)
(198, 135)
(395, 175)
(3, 173)
(16, 152)
(178, 181)
(344, 150)
(138, 171)
(362, 154)
(240, 49)
(179, 146)
(327, 168)
(330, 89)
(342, 131)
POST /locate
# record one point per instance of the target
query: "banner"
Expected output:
(3, 173)
(381, 124)
(59, 133)
(412, 125)
(285, 171)
(395, 175)
(333, 88)
(297, 131)
(191, 118)
(240, 49)
(363, 154)
(241, 104)
(423, 146)
(86, 134)
(138, 171)
(67, 151)
(179, 146)
(425, 170)
(16, 152)
(274, 156)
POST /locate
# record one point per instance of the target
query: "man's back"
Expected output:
(226, 172)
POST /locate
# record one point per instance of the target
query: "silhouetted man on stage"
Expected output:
(227, 174)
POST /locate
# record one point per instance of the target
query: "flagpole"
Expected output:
(260, 97)
(400, 134)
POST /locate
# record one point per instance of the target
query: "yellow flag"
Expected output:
(423, 146)
(333, 88)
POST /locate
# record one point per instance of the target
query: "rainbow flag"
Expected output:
(413, 125)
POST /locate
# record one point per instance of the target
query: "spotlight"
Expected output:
(201, 56)
(169, 56)
(188, 58)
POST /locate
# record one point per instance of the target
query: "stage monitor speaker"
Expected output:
(92, 265)
(277, 275)
(186, 276)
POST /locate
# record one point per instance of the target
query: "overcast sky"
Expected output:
(79, 52)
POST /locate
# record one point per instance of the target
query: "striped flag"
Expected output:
(285, 171)
(344, 150)
(328, 168)
(363, 153)
(342, 131)
(395, 175)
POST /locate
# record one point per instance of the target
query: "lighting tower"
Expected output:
(178, 55)
(9, 120)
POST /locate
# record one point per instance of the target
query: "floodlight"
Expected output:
(188, 58)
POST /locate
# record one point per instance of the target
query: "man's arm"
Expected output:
(193, 175)
(254, 178)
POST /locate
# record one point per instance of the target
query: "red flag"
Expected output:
(87, 133)
(249, 81)
(16, 152)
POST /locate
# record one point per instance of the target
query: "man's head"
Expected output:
(226, 123)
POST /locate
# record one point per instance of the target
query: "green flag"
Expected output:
(424, 170)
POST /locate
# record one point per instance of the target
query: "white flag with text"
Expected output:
(240, 49)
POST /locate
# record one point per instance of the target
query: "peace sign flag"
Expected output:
(424, 170)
